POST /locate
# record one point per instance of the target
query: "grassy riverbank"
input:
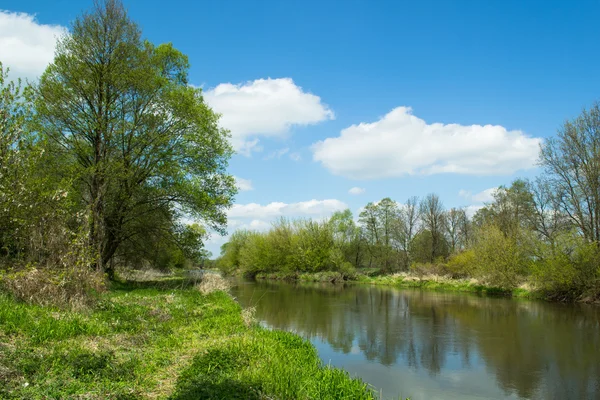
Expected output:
(405, 280)
(325, 276)
(149, 340)
(442, 283)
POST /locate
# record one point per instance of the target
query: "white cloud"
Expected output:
(485, 196)
(27, 46)
(264, 108)
(243, 184)
(402, 144)
(311, 208)
(295, 156)
(356, 190)
(472, 209)
(277, 154)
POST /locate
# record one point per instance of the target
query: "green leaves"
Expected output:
(148, 149)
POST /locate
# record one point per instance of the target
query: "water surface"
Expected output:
(433, 345)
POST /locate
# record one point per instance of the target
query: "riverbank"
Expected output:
(442, 283)
(158, 339)
(325, 276)
(406, 280)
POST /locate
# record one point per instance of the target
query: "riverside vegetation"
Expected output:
(159, 339)
(100, 162)
(536, 237)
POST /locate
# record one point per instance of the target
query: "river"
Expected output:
(434, 345)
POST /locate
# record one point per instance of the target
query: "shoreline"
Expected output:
(407, 281)
(162, 339)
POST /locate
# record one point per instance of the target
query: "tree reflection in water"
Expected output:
(527, 349)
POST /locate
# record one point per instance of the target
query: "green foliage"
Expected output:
(292, 248)
(501, 260)
(144, 147)
(511, 211)
(422, 247)
(463, 264)
(569, 270)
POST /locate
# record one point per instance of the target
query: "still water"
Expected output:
(432, 345)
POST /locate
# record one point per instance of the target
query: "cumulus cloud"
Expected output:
(472, 209)
(27, 46)
(356, 190)
(264, 108)
(243, 184)
(484, 196)
(402, 144)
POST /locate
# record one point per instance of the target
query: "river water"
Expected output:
(434, 345)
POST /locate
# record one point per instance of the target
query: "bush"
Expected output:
(501, 260)
(462, 265)
(570, 270)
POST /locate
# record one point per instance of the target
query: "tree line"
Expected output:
(104, 158)
(543, 232)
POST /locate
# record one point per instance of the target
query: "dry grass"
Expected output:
(72, 288)
(144, 275)
(212, 283)
(248, 315)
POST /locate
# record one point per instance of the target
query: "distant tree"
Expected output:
(347, 236)
(433, 219)
(407, 227)
(143, 143)
(547, 217)
(379, 221)
(571, 164)
(421, 247)
(511, 210)
(455, 226)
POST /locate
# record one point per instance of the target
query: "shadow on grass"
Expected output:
(225, 389)
(211, 376)
(160, 284)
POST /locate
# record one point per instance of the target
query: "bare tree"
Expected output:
(433, 219)
(456, 219)
(572, 163)
(407, 228)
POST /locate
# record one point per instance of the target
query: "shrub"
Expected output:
(462, 265)
(570, 270)
(501, 260)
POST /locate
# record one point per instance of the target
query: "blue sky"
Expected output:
(394, 98)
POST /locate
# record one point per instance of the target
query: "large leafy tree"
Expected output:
(144, 146)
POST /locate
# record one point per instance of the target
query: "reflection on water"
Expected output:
(430, 345)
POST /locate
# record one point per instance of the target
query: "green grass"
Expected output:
(167, 342)
(447, 284)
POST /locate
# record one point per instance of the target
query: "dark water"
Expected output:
(430, 345)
